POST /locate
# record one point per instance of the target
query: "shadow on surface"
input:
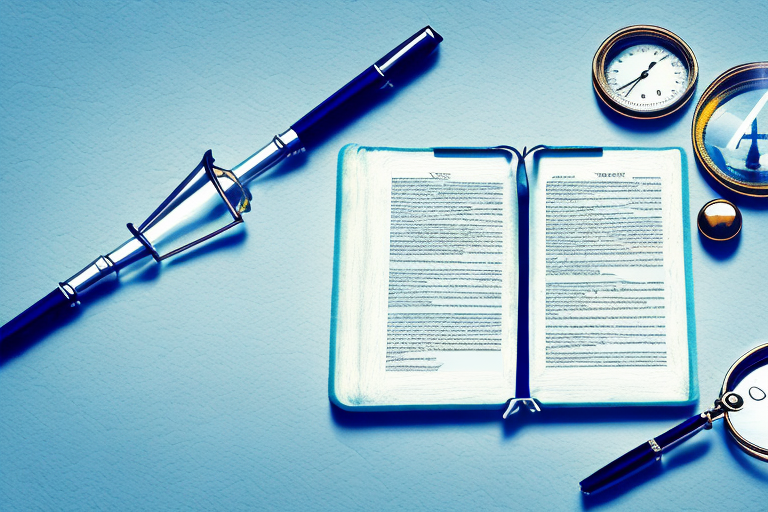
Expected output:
(642, 125)
(677, 457)
(515, 422)
(223, 241)
(752, 466)
(290, 165)
(740, 200)
(16, 345)
(349, 419)
(686, 453)
(594, 415)
(142, 273)
(720, 250)
(617, 414)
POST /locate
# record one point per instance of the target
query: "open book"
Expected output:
(468, 277)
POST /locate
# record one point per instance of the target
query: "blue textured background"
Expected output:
(203, 384)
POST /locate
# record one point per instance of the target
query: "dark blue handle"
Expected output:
(315, 122)
(55, 302)
(642, 456)
(684, 430)
(398, 61)
(626, 465)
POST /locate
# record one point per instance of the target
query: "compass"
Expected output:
(644, 72)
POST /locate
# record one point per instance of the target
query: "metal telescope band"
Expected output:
(137, 247)
(213, 173)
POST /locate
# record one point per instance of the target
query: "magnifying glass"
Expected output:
(743, 404)
(730, 129)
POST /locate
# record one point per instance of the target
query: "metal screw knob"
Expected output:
(719, 220)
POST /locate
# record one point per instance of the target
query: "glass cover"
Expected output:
(736, 137)
(646, 75)
(751, 422)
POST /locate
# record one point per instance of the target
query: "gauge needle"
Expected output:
(632, 82)
(644, 74)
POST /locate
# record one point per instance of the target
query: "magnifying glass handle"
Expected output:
(642, 456)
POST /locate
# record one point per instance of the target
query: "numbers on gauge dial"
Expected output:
(646, 77)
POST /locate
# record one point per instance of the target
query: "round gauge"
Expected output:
(730, 129)
(644, 72)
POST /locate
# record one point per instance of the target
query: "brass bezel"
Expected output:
(664, 36)
(733, 81)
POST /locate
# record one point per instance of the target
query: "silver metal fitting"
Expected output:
(91, 274)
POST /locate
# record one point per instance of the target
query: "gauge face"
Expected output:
(646, 77)
(644, 72)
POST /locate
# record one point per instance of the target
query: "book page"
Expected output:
(426, 305)
(608, 310)
(446, 248)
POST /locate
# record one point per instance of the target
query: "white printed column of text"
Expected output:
(445, 274)
(605, 290)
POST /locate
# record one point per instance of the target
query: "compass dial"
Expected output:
(644, 72)
(646, 77)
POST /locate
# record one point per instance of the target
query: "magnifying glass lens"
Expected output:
(751, 422)
(743, 402)
(730, 129)
(735, 137)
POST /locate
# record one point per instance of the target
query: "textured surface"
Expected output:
(203, 385)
